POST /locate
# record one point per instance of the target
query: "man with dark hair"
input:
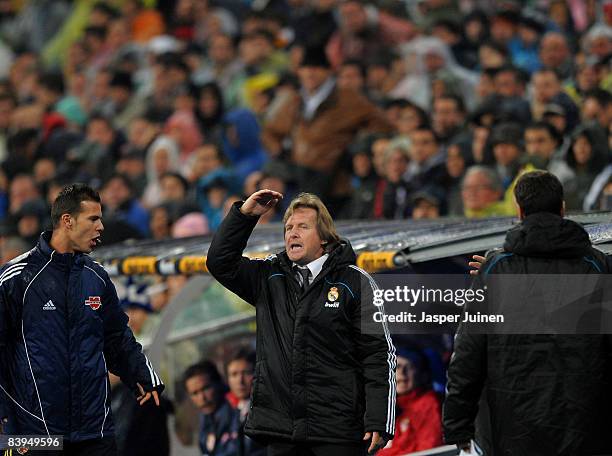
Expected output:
(427, 161)
(120, 203)
(239, 372)
(542, 143)
(126, 103)
(597, 107)
(448, 118)
(219, 422)
(322, 386)
(543, 393)
(62, 330)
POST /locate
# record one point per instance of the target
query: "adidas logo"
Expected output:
(49, 305)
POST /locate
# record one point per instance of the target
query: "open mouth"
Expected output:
(295, 247)
(95, 241)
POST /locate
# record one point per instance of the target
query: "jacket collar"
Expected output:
(48, 252)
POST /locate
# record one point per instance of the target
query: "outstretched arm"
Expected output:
(224, 259)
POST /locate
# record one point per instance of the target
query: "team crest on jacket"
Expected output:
(332, 297)
(333, 294)
(22, 450)
(93, 302)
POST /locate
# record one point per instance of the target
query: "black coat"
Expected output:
(317, 377)
(544, 394)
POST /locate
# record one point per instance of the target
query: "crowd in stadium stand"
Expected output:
(386, 109)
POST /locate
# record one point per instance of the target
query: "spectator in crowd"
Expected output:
(555, 54)
(426, 166)
(173, 188)
(241, 143)
(458, 159)
(547, 89)
(524, 46)
(364, 31)
(22, 189)
(426, 204)
(542, 141)
(448, 118)
(132, 165)
(119, 203)
(239, 371)
(597, 107)
(162, 157)
(587, 156)
(161, 219)
(481, 191)
(209, 112)
(126, 104)
(219, 422)
(206, 159)
(320, 126)
(364, 180)
(395, 163)
(32, 220)
(418, 421)
(212, 192)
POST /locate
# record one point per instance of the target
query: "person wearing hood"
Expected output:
(321, 386)
(162, 157)
(429, 58)
(542, 393)
(242, 144)
(212, 192)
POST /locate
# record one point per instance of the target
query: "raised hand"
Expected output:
(260, 202)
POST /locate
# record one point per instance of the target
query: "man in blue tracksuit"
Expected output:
(62, 330)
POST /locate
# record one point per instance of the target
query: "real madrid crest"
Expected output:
(333, 294)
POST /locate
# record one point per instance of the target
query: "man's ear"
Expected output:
(563, 209)
(66, 220)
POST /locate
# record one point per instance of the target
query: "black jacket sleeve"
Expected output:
(225, 261)
(466, 377)
(123, 355)
(377, 355)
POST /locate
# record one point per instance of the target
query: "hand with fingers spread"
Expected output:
(260, 202)
(145, 396)
(477, 264)
(378, 441)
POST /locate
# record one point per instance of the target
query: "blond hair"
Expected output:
(325, 224)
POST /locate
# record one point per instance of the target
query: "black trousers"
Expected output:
(96, 447)
(317, 449)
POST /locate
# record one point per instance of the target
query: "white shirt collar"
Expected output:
(315, 266)
(313, 101)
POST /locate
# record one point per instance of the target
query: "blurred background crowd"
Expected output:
(388, 109)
